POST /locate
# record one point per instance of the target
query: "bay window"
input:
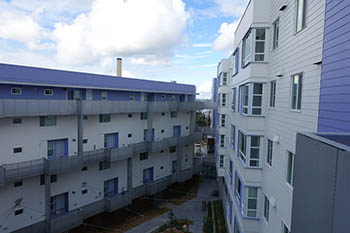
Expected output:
(254, 46)
(251, 99)
(223, 99)
(300, 14)
(249, 149)
(234, 99)
(252, 201)
(296, 91)
(235, 62)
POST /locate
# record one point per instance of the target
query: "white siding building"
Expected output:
(74, 145)
(274, 86)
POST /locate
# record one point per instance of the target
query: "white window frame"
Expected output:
(300, 16)
(269, 154)
(252, 198)
(256, 41)
(224, 78)
(298, 92)
(257, 95)
(223, 99)
(221, 160)
(223, 120)
(258, 147)
(247, 99)
(245, 102)
(104, 95)
(222, 140)
(50, 90)
(290, 168)
(276, 31)
(234, 96)
(266, 209)
(17, 147)
(16, 88)
(242, 154)
(273, 90)
(247, 48)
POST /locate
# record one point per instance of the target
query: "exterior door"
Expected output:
(59, 204)
(111, 140)
(145, 135)
(57, 148)
(177, 131)
(148, 175)
(174, 165)
(111, 187)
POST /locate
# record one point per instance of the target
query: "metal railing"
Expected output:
(35, 107)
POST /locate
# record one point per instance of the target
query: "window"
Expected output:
(172, 149)
(260, 44)
(246, 52)
(85, 168)
(233, 136)
(257, 99)
(85, 141)
(254, 151)
(252, 201)
(77, 94)
(17, 149)
(85, 117)
(276, 31)
(53, 178)
(129, 115)
(238, 188)
(234, 99)
(224, 78)
(300, 15)
(132, 96)
(163, 97)
(173, 114)
(266, 209)
(173, 98)
(221, 161)
(290, 168)
(285, 228)
(104, 95)
(162, 131)
(242, 146)
(105, 118)
(143, 156)
(129, 135)
(18, 183)
(273, 94)
(104, 165)
(48, 121)
(296, 91)
(17, 121)
(223, 99)
(19, 211)
(144, 116)
(162, 113)
(16, 91)
(269, 151)
(245, 98)
(222, 140)
(84, 191)
(235, 62)
(223, 120)
(231, 170)
(48, 92)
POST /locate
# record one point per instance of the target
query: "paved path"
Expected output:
(191, 210)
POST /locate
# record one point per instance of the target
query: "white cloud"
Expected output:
(122, 28)
(234, 8)
(205, 90)
(225, 40)
(201, 45)
(15, 25)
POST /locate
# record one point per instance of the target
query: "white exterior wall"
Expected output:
(34, 138)
(297, 52)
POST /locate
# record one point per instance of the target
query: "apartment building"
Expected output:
(273, 93)
(75, 144)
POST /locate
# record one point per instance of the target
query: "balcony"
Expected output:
(207, 131)
(66, 221)
(22, 170)
(15, 108)
(118, 201)
(36, 107)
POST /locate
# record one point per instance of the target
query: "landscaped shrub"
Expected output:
(220, 223)
(208, 220)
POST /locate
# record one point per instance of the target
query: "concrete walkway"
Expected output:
(191, 210)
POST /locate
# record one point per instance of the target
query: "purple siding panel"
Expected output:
(40, 76)
(32, 92)
(334, 111)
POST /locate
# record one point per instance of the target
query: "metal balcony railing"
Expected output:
(118, 201)
(18, 171)
(37, 107)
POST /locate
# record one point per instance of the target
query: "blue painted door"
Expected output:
(59, 204)
(111, 187)
(145, 135)
(174, 165)
(57, 148)
(148, 175)
(111, 140)
(177, 131)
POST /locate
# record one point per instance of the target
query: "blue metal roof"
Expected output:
(24, 75)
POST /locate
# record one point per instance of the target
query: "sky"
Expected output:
(164, 40)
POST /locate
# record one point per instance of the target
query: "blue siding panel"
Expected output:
(334, 109)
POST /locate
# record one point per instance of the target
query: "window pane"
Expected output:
(258, 88)
(256, 111)
(257, 101)
(255, 141)
(254, 163)
(259, 57)
(251, 213)
(260, 47)
(253, 192)
(254, 153)
(260, 34)
(252, 203)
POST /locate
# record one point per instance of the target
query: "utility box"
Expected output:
(321, 187)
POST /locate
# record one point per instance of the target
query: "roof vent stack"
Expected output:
(119, 67)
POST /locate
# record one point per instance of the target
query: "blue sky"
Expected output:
(165, 40)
